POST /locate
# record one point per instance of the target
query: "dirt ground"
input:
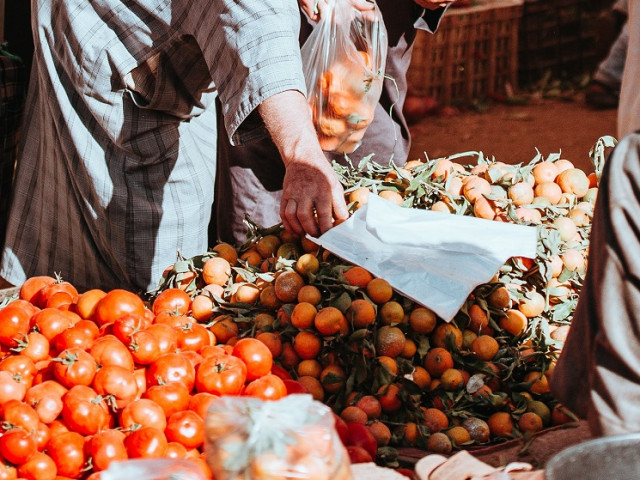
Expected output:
(511, 133)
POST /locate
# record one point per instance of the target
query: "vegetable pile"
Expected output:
(88, 378)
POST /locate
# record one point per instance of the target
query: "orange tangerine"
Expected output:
(391, 196)
(357, 276)
(478, 319)
(514, 322)
(530, 422)
(268, 297)
(458, 435)
(268, 245)
(307, 264)
(330, 321)
(380, 432)
(434, 419)
(216, 270)
(500, 425)
(370, 405)
(227, 252)
(353, 413)
(410, 349)
(314, 387)
(252, 257)
(287, 286)
(272, 341)
(333, 378)
(420, 377)
(540, 383)
(437, 361)
(475, 187)
(439, 443)
(545, 172)
(361, 313)
(422, 320)
(521, 193)
(452, 379)
(391, 313)
(388, 363)
(303, 315)
(389, 341)
(573, 180)
(379, 290)
(444, 333)
(549, 190)
(310, 367)
(359, 195)
(310, 294)
(307, 344)
(485, 347)
(532, 305)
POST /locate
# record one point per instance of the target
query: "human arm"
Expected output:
(314, 8)
(312, 197)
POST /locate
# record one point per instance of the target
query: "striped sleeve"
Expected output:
(253, 52)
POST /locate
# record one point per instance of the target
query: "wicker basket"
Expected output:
(473, 54)
(557, 37)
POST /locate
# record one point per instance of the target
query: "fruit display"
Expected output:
(87, 378)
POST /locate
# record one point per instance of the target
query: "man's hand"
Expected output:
(315, 8)
(312, 196)
(433, 4)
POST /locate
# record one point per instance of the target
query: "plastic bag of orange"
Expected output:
(295, 437)
(344, 59)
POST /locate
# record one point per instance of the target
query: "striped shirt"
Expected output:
(116, 167)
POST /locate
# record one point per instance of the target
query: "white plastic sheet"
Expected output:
(434, 258)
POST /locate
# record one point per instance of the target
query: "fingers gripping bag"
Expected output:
(344, 60)
(292, 438)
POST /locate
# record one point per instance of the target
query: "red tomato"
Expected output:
(74, 366)
(193, 337)
(172, 319)
(34, 345)
(200, 403)
(41, 435)
(16, 446)
(86, 304)
(144, 347)
(106, 447)
(7, 471)
(43, 295)
(172, 397)
(294, 386)
(128, 324)
(211, 350)
(108, 350)
(146, 442)
(46, 399)
(357, 454)
(39, 467)
(83, 334)
(11, 387)
(361, 436)
(20, 414)
(171, 367)
(60, 300)
(33, 285)
(256, 356)
(66, 449)
(279, 371)
(175, 450)
(115, 304)
(221, 375)
(187, 428)
(167, 337)
(84, 411)
(117, 383)
(57, 427)
(267, 387)
(14, 323)
(143, 412)
(21, 366)
(51, 322)
(342, 428)
(172, 300)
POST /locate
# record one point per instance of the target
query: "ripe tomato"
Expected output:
(43, 295)
(86, 304)
(200, 403)
(20, 414)
(60, 300)
(117, 383)
(172, 397)
(294, 386)
(34, 345)
(187, 428)
(268, 387)
(193, 337)
(144, 347)
(106, 447)
(256, 356)
(172, 300)
(166, 335)
(115, 304)
(66, 449)
(39, 397)
(39, 467)
(171, 367)
(74, 366)
(361, 436)
(14, 323)
(84, 411)
(50, 322)
(21, 366)
(221, 375)
(33, 285)
(108, 350)
(172, 319)
(41, 435)
(82, 335)
(11, 387)
(16, 446)
(175, 450)
(143, 412)
(146, 442)
(128, 324)
(7, 471)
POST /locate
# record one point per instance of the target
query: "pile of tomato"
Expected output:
(88, 379)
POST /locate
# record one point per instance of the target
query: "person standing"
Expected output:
(250, 176)
(116, 169)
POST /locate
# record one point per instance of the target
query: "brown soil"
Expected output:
(511, 133)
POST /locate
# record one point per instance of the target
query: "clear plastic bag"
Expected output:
(291, 438)
(153, 469)
(344, 60)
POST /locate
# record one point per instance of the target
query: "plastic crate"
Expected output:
(473, 54)
(557, 37)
